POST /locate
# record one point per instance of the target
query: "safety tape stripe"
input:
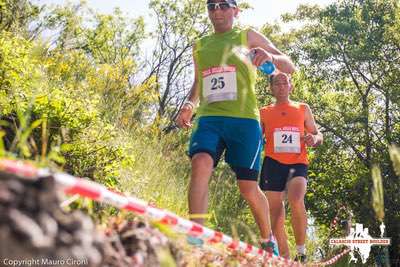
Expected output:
(73, 185)
(77, 186)
(332, 260)
(18, 168)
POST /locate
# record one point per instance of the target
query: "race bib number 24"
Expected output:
(287, 141)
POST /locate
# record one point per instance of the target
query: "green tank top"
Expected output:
(226, 79)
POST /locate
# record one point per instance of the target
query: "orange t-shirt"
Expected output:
(283, 127)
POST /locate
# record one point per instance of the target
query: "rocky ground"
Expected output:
(36, 231)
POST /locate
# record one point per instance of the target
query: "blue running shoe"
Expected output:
(270, 246)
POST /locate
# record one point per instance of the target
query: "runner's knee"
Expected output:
(202, 161)
(296, 201)
(249, 190)
(296, 191)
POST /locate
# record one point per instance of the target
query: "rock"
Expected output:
(33, 226)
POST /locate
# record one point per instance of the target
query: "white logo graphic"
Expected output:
(360, 241)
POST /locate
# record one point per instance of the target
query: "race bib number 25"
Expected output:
(219, 84)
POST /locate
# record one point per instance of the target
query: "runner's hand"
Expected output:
(184, 117)
(261, 56)
(310, 140)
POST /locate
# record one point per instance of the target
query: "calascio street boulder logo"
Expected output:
(359, 240)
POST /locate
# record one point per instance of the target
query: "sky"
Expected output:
(263, 10)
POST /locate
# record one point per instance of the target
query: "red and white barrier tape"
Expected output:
(73, 185)
(333, 259)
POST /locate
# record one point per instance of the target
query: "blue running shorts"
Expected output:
(240, 139)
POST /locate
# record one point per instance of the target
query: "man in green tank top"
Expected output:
(227, 117)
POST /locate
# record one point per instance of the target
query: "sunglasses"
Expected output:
(280, 84)
(222, 6)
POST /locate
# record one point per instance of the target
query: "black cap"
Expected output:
(233, 2)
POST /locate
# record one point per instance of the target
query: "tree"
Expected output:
(179, 24)
(349, 56)
(111, 44)
(16, 15)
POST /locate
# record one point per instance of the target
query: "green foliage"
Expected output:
(17, 70)
(90, 103)
(114, 39)
(15, 15)
(229, 212)
(377, 194)
(159, 173)
(348, 58)
(51, 101)
(395, 157)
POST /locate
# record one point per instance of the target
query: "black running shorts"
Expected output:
(275, 175)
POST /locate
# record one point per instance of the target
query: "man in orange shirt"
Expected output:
(288, 128)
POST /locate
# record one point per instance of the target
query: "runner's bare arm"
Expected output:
(195, 91)
(314, 136)
(186, 112)
(258, 41)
